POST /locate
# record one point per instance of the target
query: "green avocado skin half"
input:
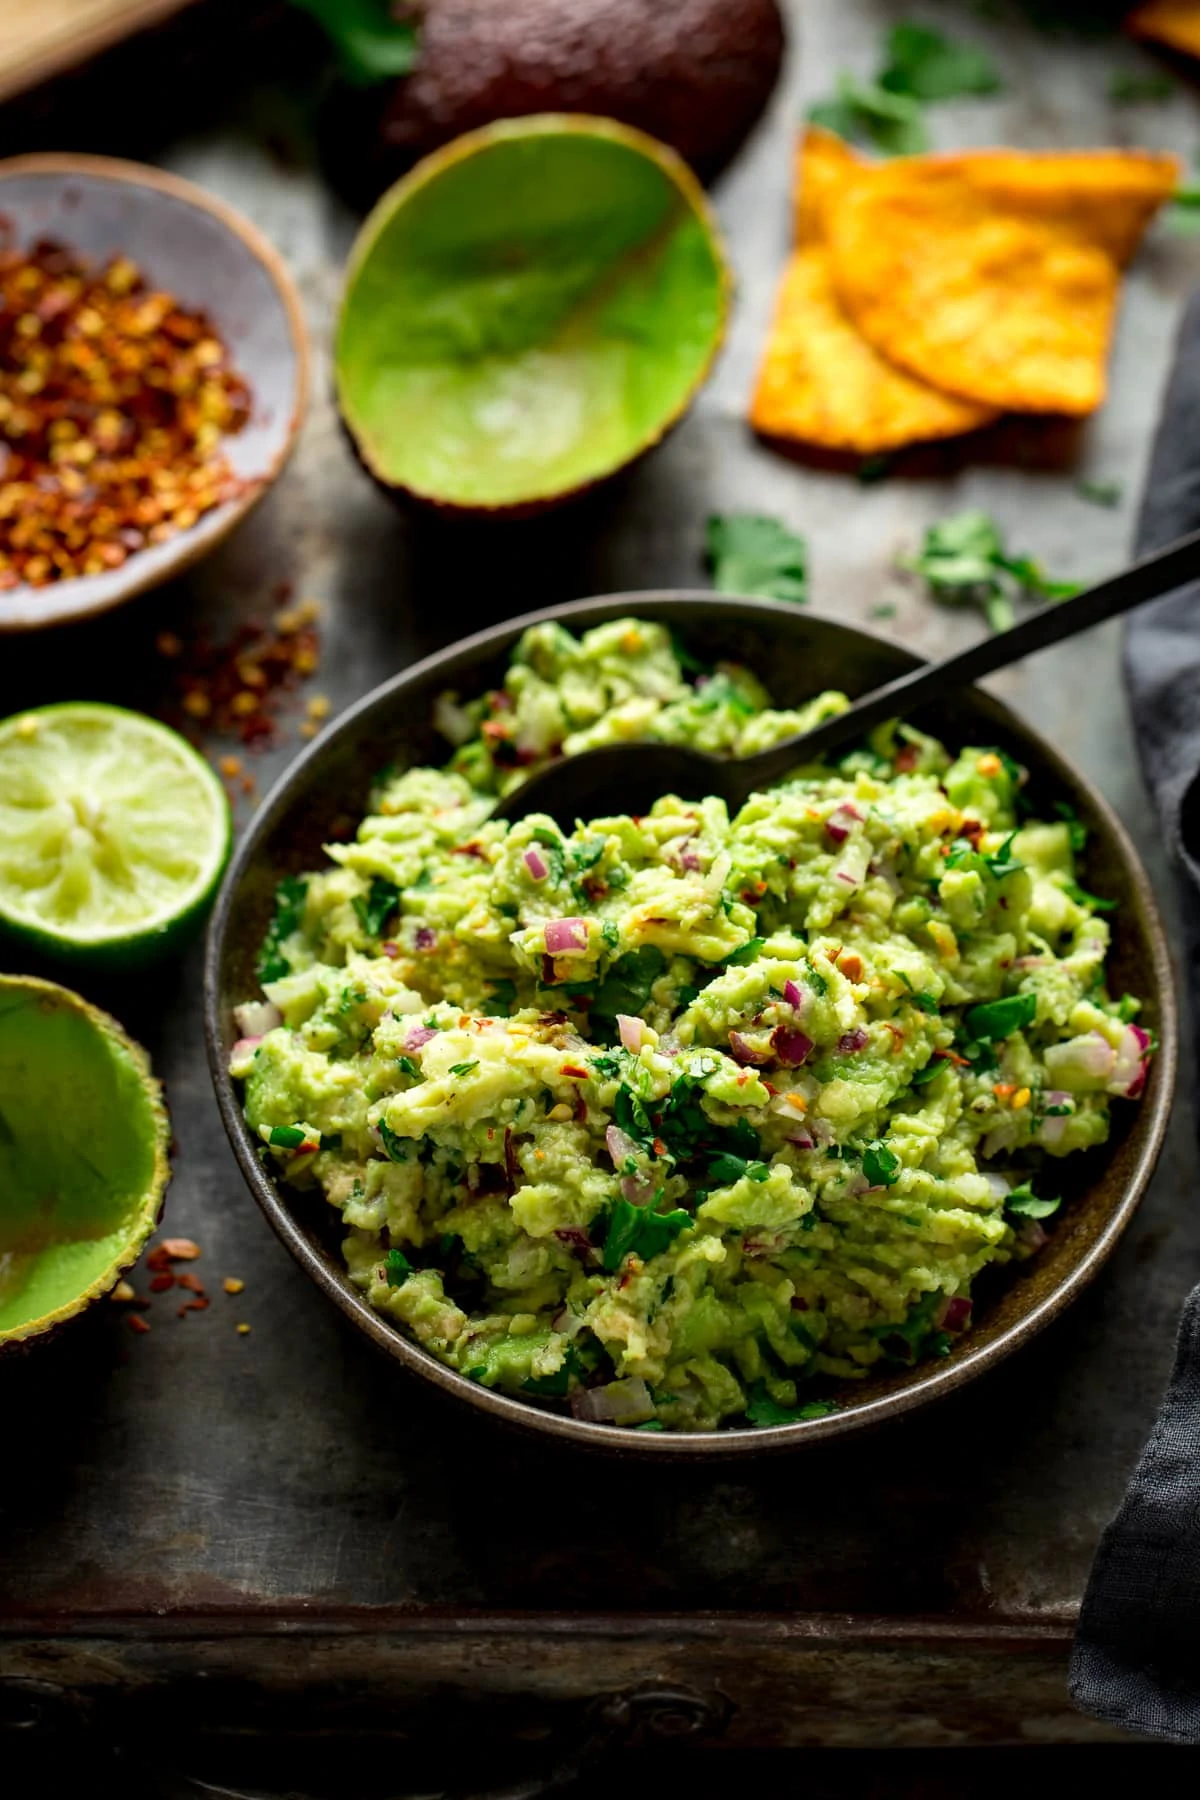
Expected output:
(528, 311)
(84, 1136)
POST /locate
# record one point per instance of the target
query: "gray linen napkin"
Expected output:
(1137, 1652)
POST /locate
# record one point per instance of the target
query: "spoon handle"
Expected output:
(1147, 580)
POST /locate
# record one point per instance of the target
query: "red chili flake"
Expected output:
(114, 400)
(581, 1111)
(907, 758)
(160, 1283)
(192, 1282)
(574, 1071)
(512, 1167)
(392, 951)
(660, 1149)
(471, 849)
(199, 1304)
(136, 1323)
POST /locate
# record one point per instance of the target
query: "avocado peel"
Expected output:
(84, 1137)
(528, 311)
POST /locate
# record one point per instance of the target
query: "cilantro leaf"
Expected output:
(640, 1231)
(929, 1072)
(963, 559)
(761, 1409)
(726, 1168)
(1100, 493)
(752, 554)
(627, 986)
(559, 1383)
(925, 1003)
(881, 1166)
(997, 1019)
(393, 1143)
(374, 911)
(1081, 897)
(463, 1068)
(286, 1137)
(397, 1267)
(1026, 1205)
(747, 952)
(863, 112)
(371, 43)
(1127, 87)
(1077, 829)
(288, 917)
(408, 1066)
(928, 66)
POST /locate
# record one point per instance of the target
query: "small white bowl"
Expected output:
(207, 255)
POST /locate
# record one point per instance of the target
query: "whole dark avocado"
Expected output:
(694, 73)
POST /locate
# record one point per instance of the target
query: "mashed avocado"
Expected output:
(685, 1119)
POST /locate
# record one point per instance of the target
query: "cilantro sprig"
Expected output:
(288, 917)
(762, 1410)
(921, 66)
(375, 908)
(963, 560)
(640, 1231)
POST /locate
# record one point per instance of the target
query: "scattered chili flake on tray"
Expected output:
(237, 686)
(136, 1322)
(232, 1284)
(114, 399)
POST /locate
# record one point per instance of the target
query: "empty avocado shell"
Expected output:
(83, 1155)
(695, 73)
(528, 311)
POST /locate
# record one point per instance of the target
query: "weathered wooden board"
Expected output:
(281, 1517)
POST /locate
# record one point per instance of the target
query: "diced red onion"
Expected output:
(243, 1047)
(566, 935)
(801, 1139)
(953, 1314)
(792, 1047)
(853, 864)
(853, 1041)
(822, 1130)
(1000, 1137)
(257, 1017)
(418, 1035)
(1082, 1062)
(746, 1053)
(632, 1032)
(569, 1324)
(620, 1147)
(690, 858)
(536, 863)
(637, 1189)
(620, 1403)
(1128, 1076)
(840, 821)
(426, 937)
(793, 995)
(1032, 1235)
(999, 1185)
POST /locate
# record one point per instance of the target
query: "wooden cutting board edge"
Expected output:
(43, 37)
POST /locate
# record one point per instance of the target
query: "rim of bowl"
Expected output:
(475, 142)
(931, 1380)
(135, 174)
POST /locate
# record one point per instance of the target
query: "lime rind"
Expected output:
(114, 832)
(44, 1296)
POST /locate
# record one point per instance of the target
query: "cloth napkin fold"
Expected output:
(1137, 1651)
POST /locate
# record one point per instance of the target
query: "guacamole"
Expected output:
(686, 1119)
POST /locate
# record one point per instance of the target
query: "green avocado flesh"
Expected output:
(525, 317)
(80, 1155)
(687, 1119)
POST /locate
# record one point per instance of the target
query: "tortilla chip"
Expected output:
(1172, 22)
(820, 383)
(995, 273)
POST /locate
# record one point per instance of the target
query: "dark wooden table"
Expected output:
(211, 1532)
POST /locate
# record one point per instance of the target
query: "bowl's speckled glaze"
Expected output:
(796, 653)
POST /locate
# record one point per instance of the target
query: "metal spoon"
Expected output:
(629, 777)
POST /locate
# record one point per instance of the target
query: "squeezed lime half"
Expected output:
(113, 832)
(83, 1155)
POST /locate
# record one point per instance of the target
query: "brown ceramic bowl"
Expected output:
(205, 253)
(798, 653)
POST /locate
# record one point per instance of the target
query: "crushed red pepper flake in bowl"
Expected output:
(114, 400)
